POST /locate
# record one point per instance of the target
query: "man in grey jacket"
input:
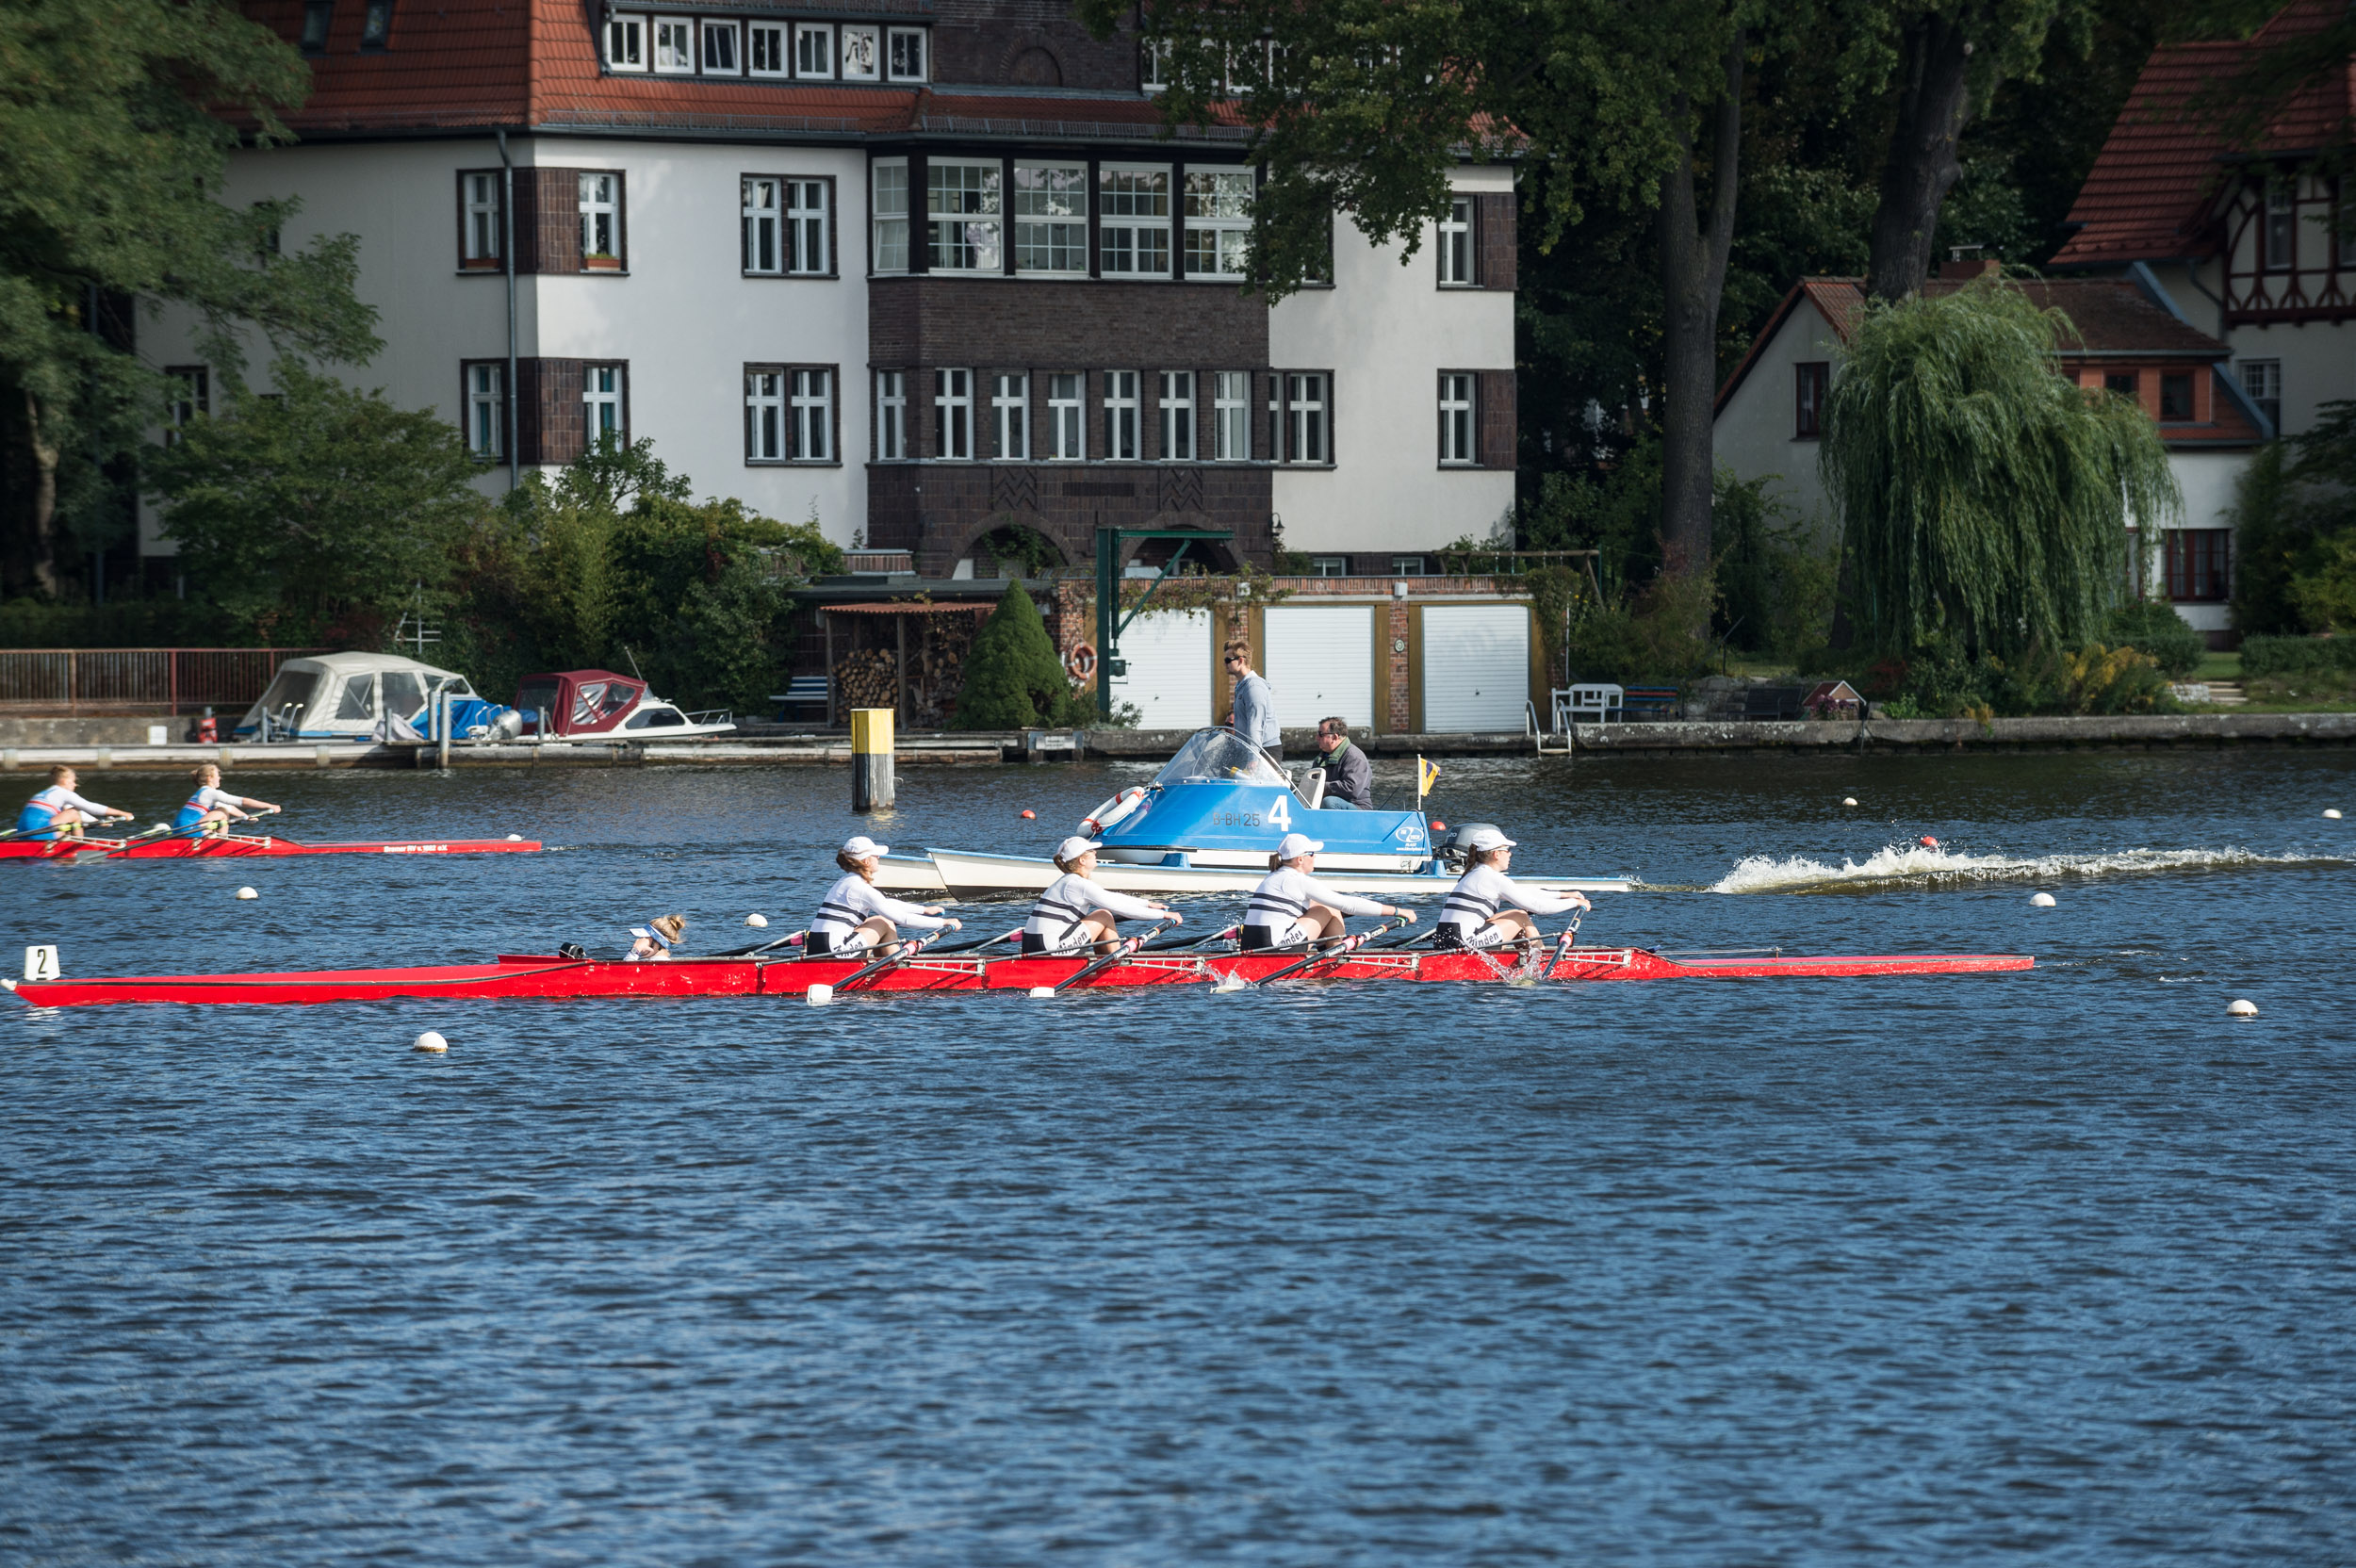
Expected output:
(1348, 776)
(1255, 705)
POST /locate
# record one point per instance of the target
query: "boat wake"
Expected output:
(1915, 866)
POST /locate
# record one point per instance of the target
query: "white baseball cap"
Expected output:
(861, 846)
(1483, 840)
(1296, 845)
(1076, 846)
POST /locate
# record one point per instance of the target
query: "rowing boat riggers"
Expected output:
(1481, 893)
(853, 900)
(1283, 897)
(1069, 899)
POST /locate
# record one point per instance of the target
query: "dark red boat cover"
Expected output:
(578, 702)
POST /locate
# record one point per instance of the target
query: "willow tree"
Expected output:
(1984, 498)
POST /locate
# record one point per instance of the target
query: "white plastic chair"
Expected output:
(1603, 701)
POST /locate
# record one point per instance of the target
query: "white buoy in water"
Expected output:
(2244, 1007)
(818, 996)
(515, 838)
(2042, 901)
(431, 1043)
(248, 892)
(1848, 800)
(1043, 992)
(759, 921)
(2330, 814)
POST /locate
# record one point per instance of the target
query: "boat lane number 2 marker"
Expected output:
(40, 963)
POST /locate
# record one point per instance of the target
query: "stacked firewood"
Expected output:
(937, 665)
(867, 678)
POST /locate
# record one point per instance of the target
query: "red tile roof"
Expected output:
(2147, 197)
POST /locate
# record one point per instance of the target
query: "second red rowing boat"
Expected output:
(234, 846)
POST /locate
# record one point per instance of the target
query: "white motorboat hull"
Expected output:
(971, 875)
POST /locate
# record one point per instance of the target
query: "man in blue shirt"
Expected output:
(1255, 705)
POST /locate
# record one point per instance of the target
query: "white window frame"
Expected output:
(1300, 419)
(605, 389)
(626, 43)
(764, 414)
(1219, 223)
(898, 43)
(1177, 416)
(1121, 415)
(1460, 428)
(814, 50)
(487, 411)
(1051, 224)
(1126, 237)
(672, 46)
(891, 415)
(484, 232)
(862, 52)
(888, 202)
(1329, 566)
(1066, 417)
(1230, 415)
(719, 49)
(964, 236)
(600, 198)
(764, 225)
(953, 416)
(767, 41)
(2281, 202)
(2262, 384)
(1153, 65)
(812, 404)
(809, 227)
(1011, 417)
(1456, 244)
(191, 399)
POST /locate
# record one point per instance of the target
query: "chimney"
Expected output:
(1958, 270)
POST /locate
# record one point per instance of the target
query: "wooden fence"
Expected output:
(146, 680)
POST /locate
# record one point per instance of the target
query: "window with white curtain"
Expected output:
(1177, 402)
(891, 207)
(953, 413)
(1066, 426)
(962, 206)
(674, 45)
(1010, 415)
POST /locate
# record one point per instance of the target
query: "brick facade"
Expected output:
(1494, 220)
(936, 511)
(1027, 44)
(1498, 412)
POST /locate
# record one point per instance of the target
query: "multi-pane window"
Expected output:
(1811, 383)
(765, 415)
(2280, 238)
(720, 58)
(192, 396)
(1219, 222)
(2199, 563)
(1456, 244)
(1177, 402)
(318, 16)
(1120, 415)
(1067, 440)
(814, 50)
(1051, 217)
(487, 411)
(1329, 566)
(2175, 395)
(2262, 380)
(1409, 565)
(953, 413)
(1231, 417)
(907, 46)
(891, 214)
(961, 207)
(626, 43)
(376, 24)
(763, 225)
(764, 48)
(891, 415)
(479, 242)
(1133, 222)
(1296, 416)
(814, 415)
(600, 214)
(2121, 382)
(1010, 415)
(1154, 64)
(1456, 417)
(601, 402)
(673, 44)
(807, 248)
(862, 55)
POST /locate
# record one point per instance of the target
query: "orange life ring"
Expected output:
(1081, 662)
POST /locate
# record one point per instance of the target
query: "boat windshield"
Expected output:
(1219, 755)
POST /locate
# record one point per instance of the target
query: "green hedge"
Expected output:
(2297, 654)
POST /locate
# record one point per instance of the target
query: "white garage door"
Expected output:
(1321, 661)
(1476, 666)
(1169, 670)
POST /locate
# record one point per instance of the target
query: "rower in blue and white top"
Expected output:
(854, 917)
(1290, 907)
(212, 808)
(1488, 909)
(1076, 911)
(57, 810)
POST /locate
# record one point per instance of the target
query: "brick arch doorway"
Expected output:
(1008, 549)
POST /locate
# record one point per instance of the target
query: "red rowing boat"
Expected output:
(241, 846)
(523, 975)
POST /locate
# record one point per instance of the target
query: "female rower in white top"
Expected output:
(854, 917)
(212, 808)
(1076, 911)
(1488, 909)
(58, 809)
(1290, 907)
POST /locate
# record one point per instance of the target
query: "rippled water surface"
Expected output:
(2051, 1267)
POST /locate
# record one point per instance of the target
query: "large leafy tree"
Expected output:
(115, 131)
(1985, 499)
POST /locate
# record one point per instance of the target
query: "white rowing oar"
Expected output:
(1123, 950)
(1347, 946)
(908, 951)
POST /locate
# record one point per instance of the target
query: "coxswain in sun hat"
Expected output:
(657, 938)
(1076, 911)
(1290, 907)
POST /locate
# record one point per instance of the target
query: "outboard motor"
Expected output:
(1450, 851)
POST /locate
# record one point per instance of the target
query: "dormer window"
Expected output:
(318, 16)
(764, 48)
(2175, 397)
(862, 54)
(814, 50)
(626, 43)
(720, 57)
(907, 53)
(674, 45)
(376, 25)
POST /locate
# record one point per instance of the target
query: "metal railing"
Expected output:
(73, 681)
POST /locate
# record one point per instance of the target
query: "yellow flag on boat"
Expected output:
(1425, 774)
